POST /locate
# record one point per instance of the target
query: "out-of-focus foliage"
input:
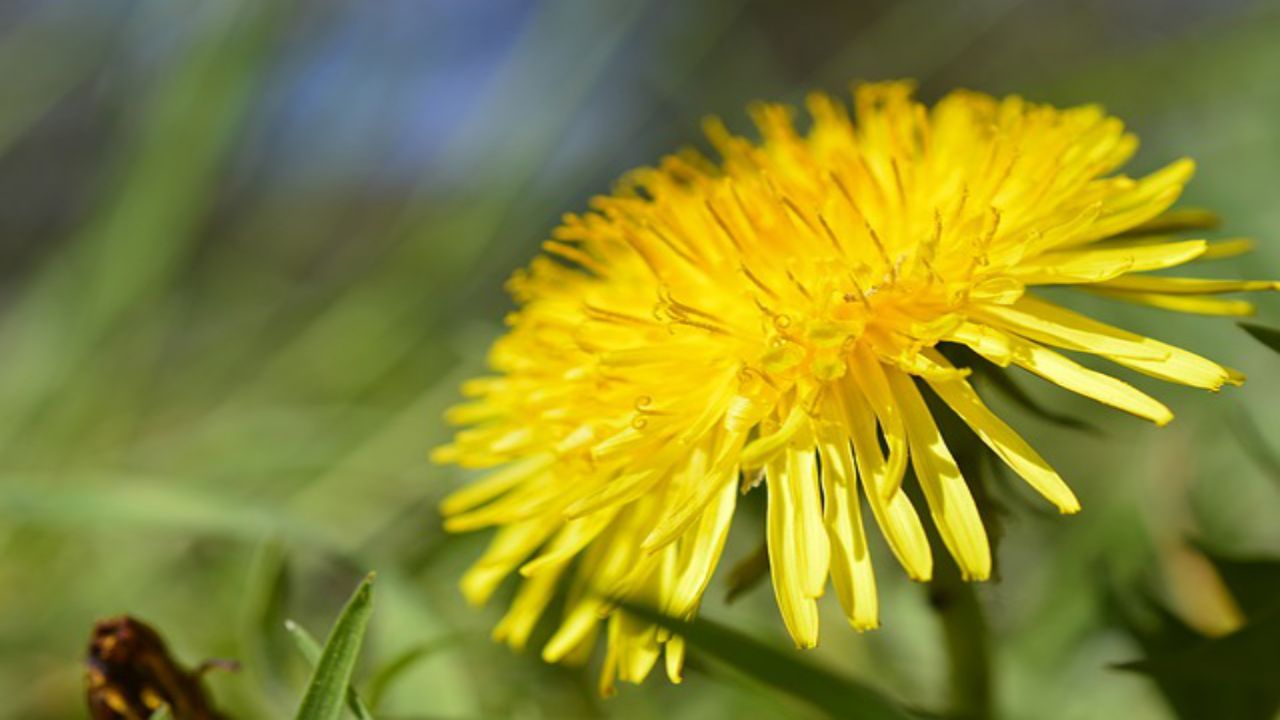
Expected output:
(1232, 675)
(1265, 335)
(249, 250)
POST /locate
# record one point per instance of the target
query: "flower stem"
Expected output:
(964, 628)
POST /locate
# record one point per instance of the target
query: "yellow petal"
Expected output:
(580, 623)
(960, 396)
(813, 546)
(700, 550)
(509, 547)
(990, 343)
(1185, 286)
(1091, 265)
(851, 571)
(1162, 361)
(618, 490)
(1231, 247)
(674, 655)
(1174, 221)
(1092, 384)
(950, 503)
(609, 668)
(1148, 198)
(788, 542)
(1045, 322)
(493, 485)
(598, 574)
(700, 493)
(761, 450)
(530, 500)
(1192, 304)
(893, 511)
(874, 387)
(638, 639)
(580, 654)
(574, 536)
(531, 600)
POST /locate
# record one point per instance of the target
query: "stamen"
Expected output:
(758, 283)
(678, 313)
(875, 238)
(599, 313)
(957, 213)
(799, 285)
(884, 252)
(724, 226)
(872, 180)
(665, 293)
(897, 180)
(1008, 170)
(746, 373)
(831, 235)
(989, 238)
(742, 207)
(628, 236)
(859, 294)
(790, 205)
(643, 405)
(672, 245)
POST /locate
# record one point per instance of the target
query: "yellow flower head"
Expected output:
(771, 318)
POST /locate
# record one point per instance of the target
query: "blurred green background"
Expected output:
(249, 250)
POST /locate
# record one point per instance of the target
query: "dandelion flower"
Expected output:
(774, 318)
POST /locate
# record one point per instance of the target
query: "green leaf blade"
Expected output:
(1265, 335)
(329, 687)
(311, 651)
(382, 677)
(834, 694)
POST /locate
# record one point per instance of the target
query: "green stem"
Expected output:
(964, 628)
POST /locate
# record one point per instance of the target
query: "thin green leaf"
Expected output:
(385, 675)
(162, 713)
(1265, 335)
(1199, 676)
(331, 678)
(262, 610)
(311, 650)
(1231, 676)
(834, 694)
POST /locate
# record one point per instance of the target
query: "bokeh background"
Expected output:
(250, 248)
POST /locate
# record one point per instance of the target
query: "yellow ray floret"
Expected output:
(772, 320)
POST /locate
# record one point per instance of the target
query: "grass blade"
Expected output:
(331, 678)
(1265, 335)
(834, 694)
(311, 650)
(394, 668)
